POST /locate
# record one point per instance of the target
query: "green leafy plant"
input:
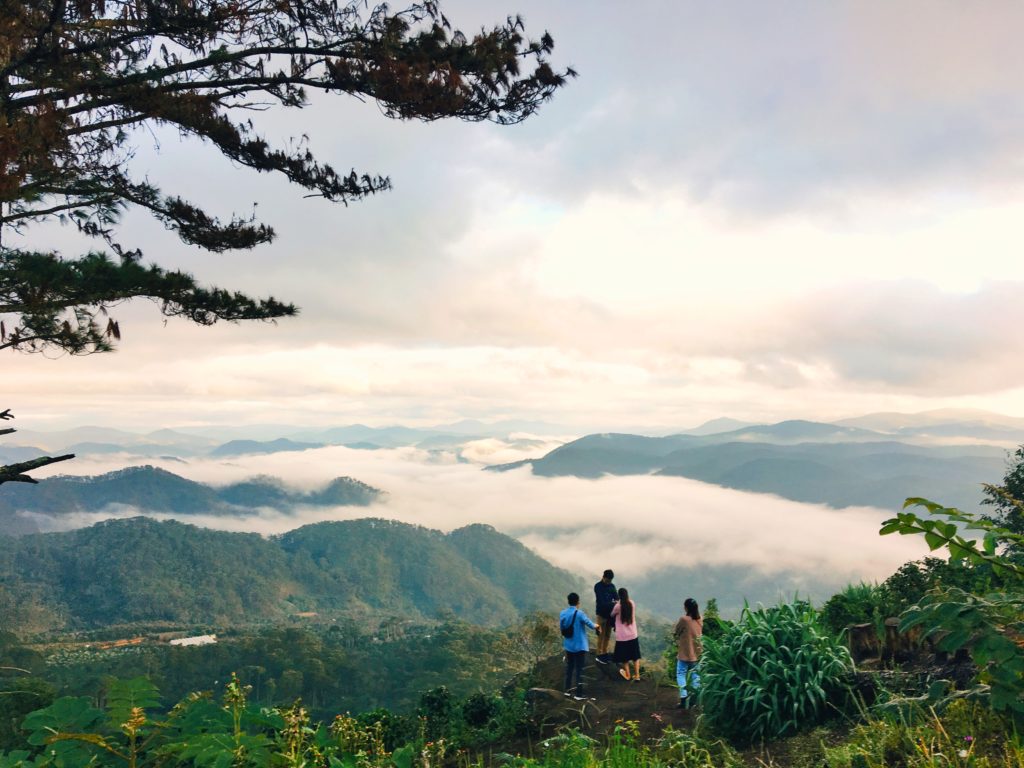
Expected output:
(625, 749)
(952, 533)
(991, 626)
(775, 671)
(72, 732)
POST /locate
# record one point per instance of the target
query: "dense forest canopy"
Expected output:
(173, 572)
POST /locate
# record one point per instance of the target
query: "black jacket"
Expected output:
(606, 596)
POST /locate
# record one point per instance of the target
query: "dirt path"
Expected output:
(651, 702)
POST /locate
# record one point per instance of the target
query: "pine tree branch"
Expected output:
(15, 472)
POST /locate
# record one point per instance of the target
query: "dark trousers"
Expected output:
(574, 661)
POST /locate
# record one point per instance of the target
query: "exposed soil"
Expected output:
(651, 702)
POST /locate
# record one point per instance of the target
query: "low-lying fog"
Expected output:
(645, 527)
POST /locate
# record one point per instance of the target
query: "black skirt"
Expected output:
(626, 650)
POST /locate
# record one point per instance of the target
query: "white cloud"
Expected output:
(639, 523)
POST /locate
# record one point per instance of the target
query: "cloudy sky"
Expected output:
(764, 211)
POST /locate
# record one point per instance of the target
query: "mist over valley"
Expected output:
(751, 512)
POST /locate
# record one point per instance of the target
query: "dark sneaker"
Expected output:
(601, 659)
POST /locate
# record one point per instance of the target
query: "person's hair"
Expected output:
(574, 599)
(625, 607)
(690, 606)
(609, 574)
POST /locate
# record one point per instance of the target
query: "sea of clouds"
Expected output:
(640, 525)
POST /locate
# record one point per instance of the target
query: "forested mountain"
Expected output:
(157, 490)
(510, 565)
(803, 461)
(142, 570)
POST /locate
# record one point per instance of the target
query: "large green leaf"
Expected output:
(125, 695)
(53, 725)
(66, 715)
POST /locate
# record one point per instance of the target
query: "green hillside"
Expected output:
(142, 570)
(528, 579)
(157, 490)
(393, 567)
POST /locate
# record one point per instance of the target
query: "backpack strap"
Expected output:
(572, 620)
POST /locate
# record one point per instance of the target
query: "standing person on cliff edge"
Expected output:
(688, 633)
(606, 595)
(573, 623)
(627, 637)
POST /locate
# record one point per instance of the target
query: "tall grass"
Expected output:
(965, 735)
(772, 673)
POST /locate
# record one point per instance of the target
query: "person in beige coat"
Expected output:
(688, 632)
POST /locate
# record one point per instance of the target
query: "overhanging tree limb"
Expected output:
(16, 473)
(77, 77)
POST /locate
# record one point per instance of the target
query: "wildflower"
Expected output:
(968, 739)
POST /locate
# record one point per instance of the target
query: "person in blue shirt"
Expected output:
(575, 646)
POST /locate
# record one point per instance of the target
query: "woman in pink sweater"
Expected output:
(627, 637)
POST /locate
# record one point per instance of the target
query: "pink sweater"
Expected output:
(625, 631)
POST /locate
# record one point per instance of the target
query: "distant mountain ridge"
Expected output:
(241, 441)
(157, 490)
(242, 447)
(142, 570)
(948, 426)
(838, 465)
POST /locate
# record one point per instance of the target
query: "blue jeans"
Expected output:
(687, 677)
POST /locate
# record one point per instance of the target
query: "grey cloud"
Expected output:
(902, 335)
(771, 107)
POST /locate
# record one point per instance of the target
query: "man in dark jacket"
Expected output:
(606, 596)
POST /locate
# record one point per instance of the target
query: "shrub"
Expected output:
(856, 604)
(478, 709)
(395, 730)
(682, 749)
(570, 749)
(773, 672)
(714, 624)
(437, 708)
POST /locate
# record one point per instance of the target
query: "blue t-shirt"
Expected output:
(578, 641)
